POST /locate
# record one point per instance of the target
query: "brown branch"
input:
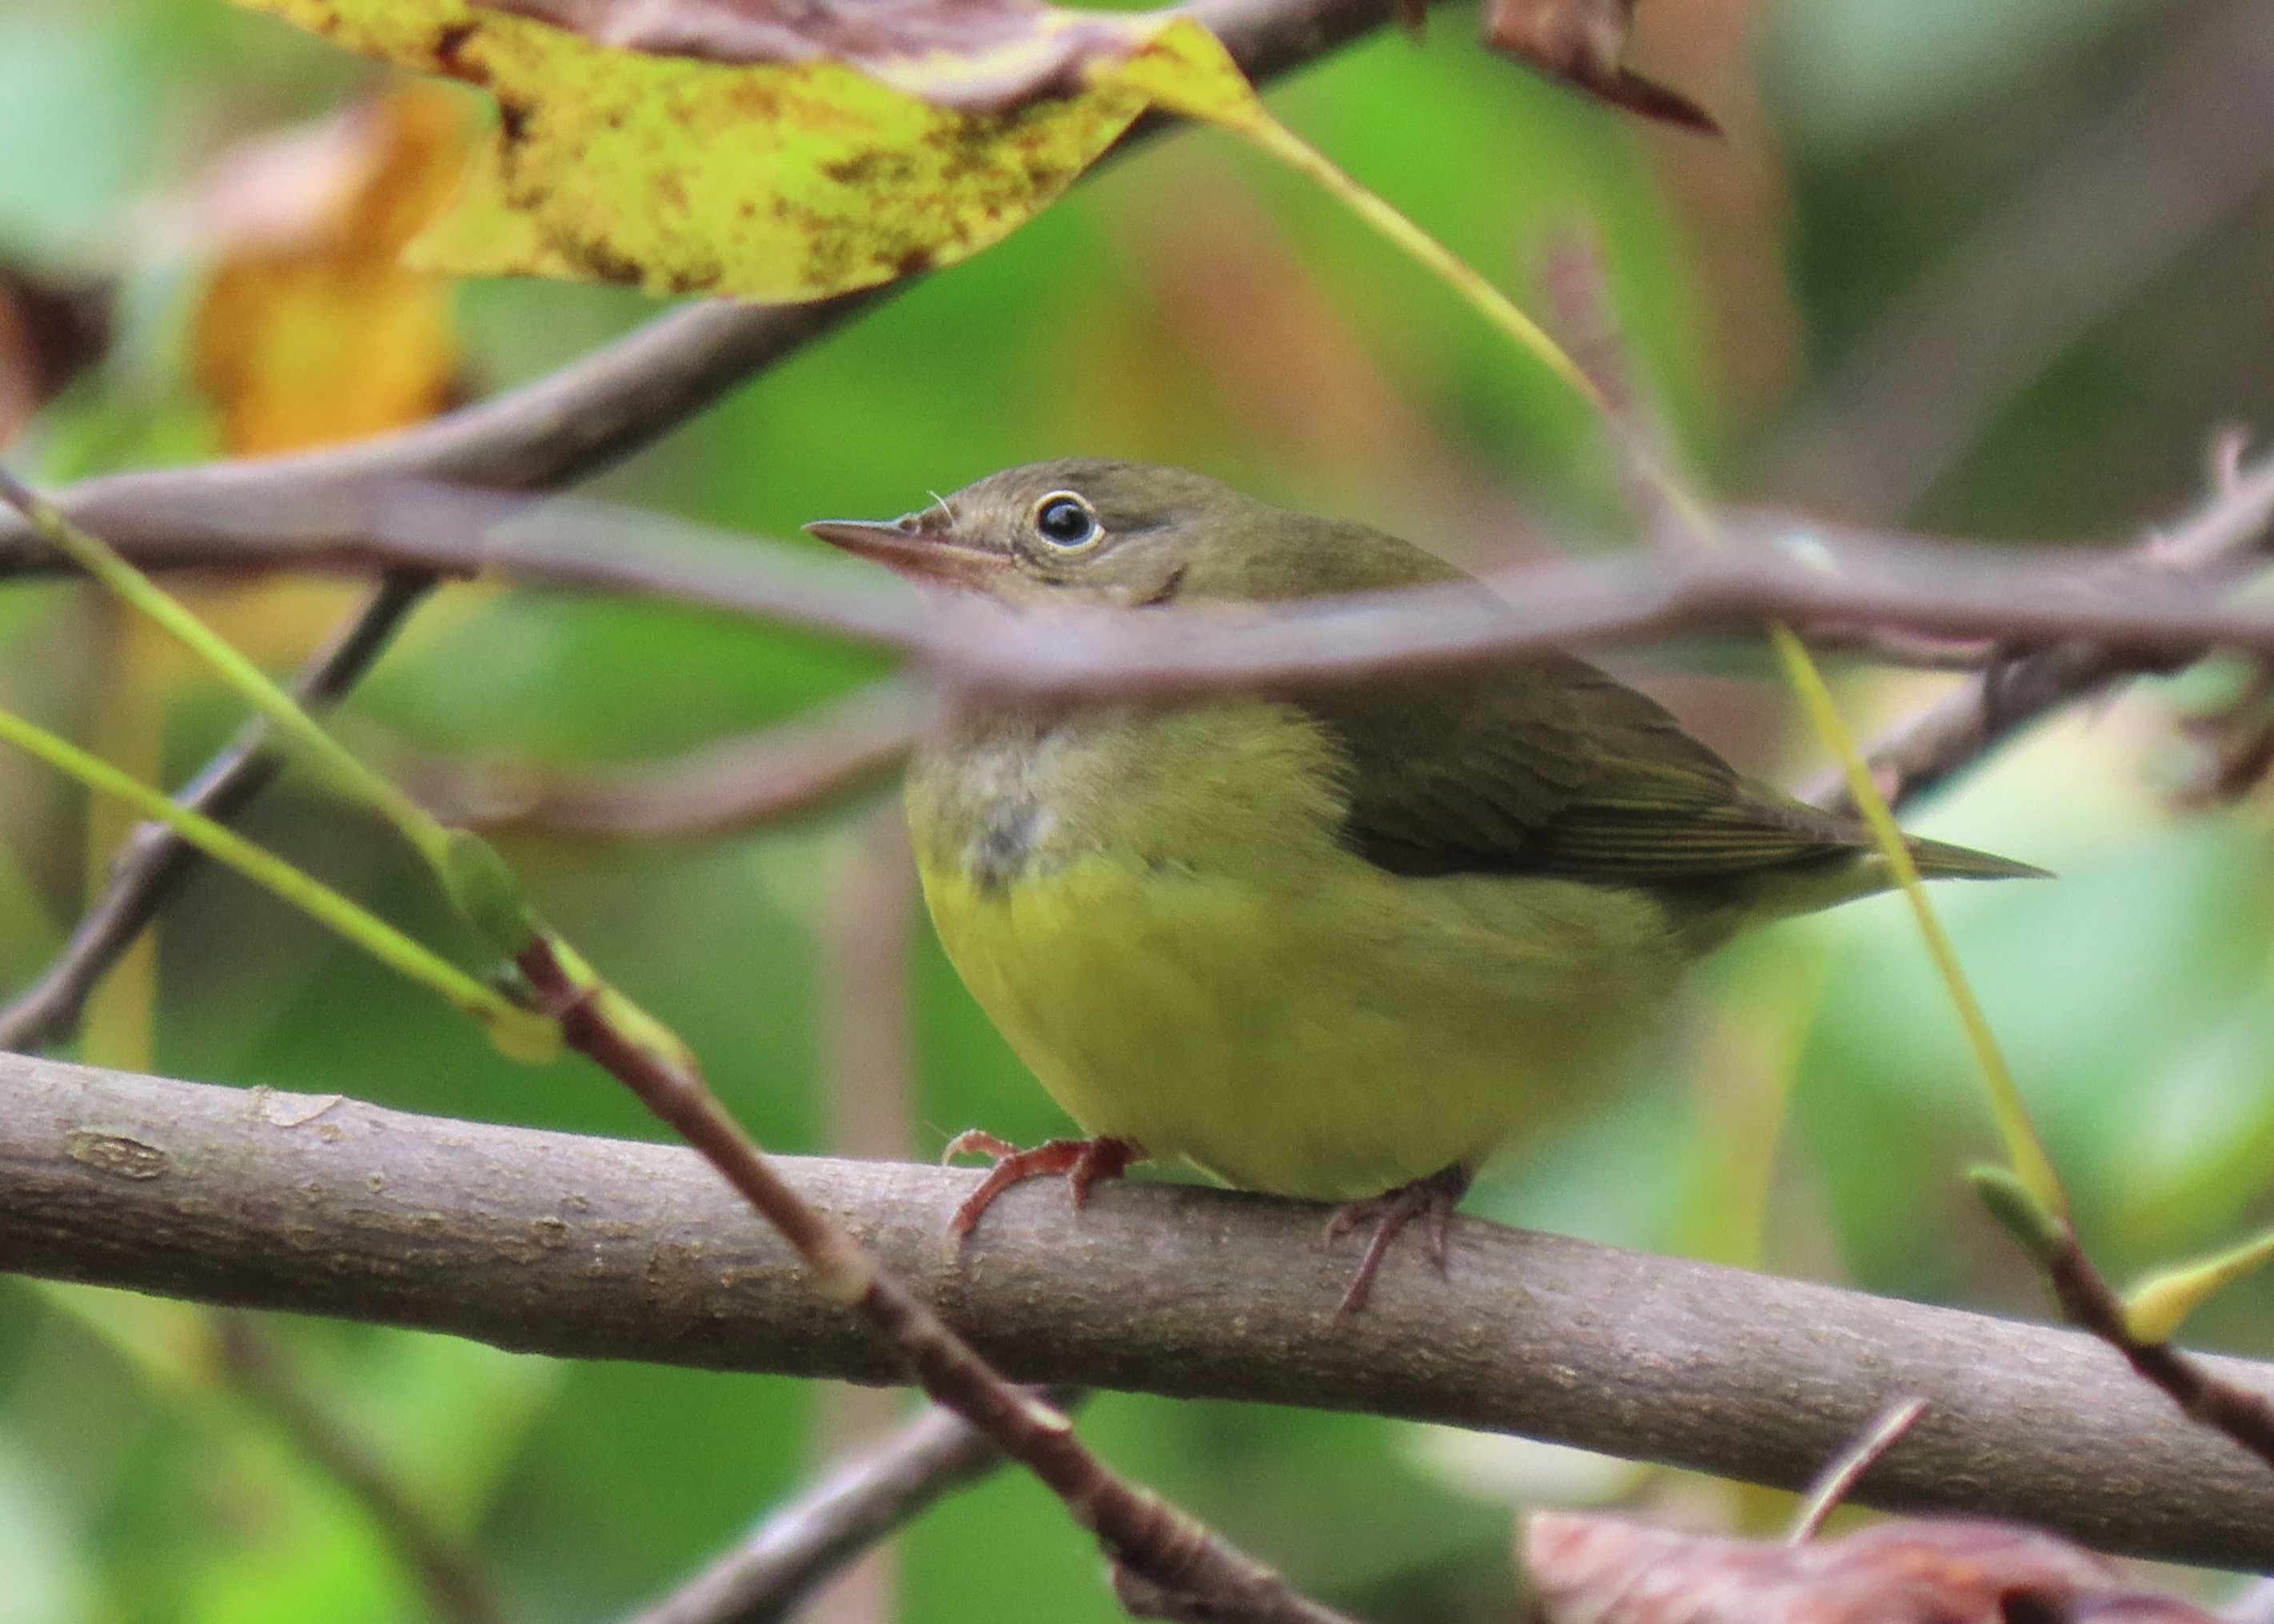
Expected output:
(802, 1546)
(1774, 567)
(738, 783)
(1922, 753)
(599, 1248)
(259, 1369)
(152, 864)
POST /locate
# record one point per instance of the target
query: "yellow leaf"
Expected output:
(855, 149)
(2156, 1308)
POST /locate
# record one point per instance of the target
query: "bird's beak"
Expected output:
(908, 548)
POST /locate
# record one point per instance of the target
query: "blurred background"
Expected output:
(1998, 271)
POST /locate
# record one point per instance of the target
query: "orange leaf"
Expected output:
(311, 330)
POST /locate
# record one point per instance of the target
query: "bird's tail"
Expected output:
(1937, 860)
(1804, 888)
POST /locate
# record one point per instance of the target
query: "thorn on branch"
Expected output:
(1845, 1470)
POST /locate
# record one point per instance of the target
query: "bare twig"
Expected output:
(802, 1544)
(1839, 1476)
(258, 1367)
(736, 783)
(1924, 752)
(588, 1248)
(155, 861)
(1773, 567)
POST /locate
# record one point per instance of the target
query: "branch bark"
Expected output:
(599, 1248)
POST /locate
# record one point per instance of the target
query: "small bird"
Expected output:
(1343, 944)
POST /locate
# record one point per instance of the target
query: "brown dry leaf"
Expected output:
(1584, 43)
(1590, 1569)
(778, 149)
(49, 333)
(311, 330)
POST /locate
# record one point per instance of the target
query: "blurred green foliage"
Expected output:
(2133, 994)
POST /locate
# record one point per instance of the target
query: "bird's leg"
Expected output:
(1083, 1162)
(1432, 1199)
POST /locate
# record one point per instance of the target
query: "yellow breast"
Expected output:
(1157, 913)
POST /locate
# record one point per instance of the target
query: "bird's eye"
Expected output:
(1065, 521)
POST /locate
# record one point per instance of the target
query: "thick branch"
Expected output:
(593, 1248)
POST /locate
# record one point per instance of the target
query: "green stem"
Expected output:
(99, 560)
(1495, 306)
(518, 1032)
(2031, 1165)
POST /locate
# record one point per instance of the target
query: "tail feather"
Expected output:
(1937, 860)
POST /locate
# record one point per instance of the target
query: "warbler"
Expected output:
(1342, 944)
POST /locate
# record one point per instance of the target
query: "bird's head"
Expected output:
(1104, 533)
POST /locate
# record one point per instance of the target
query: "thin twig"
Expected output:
(1841, 1474)
(734, 784)
(1925, 751)
(591, 1248)
(1135, 1527)
(2091, 1305)
(155, 861)
(258, 1367)
(802, 1546)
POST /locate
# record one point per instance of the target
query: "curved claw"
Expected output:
(1082, 1161)
(1432, 1199)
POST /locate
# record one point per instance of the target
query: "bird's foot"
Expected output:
(1083, 1162)
(1432, 1199)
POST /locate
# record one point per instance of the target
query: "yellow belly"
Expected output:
(1330, 1040)
(1157, 911)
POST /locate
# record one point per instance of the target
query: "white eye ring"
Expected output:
(1066, 523)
